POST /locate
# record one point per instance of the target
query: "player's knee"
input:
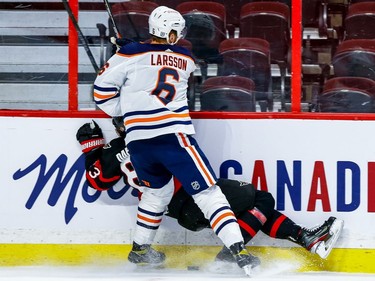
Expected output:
(160, 196)
(209, 200)
(265, 202)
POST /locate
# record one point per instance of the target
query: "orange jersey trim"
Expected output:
(228, 214)
(203, 167)
(100, 96)
(148, 219)
(151, 119)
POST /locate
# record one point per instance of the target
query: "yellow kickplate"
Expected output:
(179, 257)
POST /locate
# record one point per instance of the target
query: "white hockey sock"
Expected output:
(151, 209)
(147, 224)
(216, 209)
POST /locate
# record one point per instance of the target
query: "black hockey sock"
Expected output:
(250, 223)
(281, 227)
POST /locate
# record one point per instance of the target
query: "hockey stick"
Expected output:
(115, 28)
(80, 35)
(110, 14)
(102, 28)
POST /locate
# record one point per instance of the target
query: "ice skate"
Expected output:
(321, 240)
(243, 259)
(144, 255)
(324, 249)
(225, 256)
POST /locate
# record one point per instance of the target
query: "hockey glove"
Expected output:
(118, 43)
(118, 122)
(90, 136)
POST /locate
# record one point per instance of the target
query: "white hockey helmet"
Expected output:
(163, 20)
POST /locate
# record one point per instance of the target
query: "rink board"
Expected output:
(314, 169)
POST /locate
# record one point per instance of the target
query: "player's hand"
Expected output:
(118, 122)
(90, 136)
(118, 43)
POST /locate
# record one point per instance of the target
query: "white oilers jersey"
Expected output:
(147, 84)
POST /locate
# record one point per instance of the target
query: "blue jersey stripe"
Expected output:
(149, 112)
(217, 211)
(181, 109)
(147, 226)
(224, 224)
(138, 48)
(158, 126)
(105, 100)
(145, 112)
(150, 213)
(111, 89)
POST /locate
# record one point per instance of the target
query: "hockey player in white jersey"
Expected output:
(147, 85)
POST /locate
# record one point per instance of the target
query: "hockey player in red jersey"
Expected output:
(254, 209)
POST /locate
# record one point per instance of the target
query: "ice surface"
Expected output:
(282, 271)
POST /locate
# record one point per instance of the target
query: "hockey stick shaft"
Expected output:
(110, 14)
(80, 35)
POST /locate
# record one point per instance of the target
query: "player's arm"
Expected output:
(90, 137)
(96, 179)
(108, 83)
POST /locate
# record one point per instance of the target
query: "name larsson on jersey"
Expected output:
(168, 60)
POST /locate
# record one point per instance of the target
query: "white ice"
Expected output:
(282, 271)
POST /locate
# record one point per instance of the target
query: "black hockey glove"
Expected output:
(90, 136)
(118, 122)
(117, 43)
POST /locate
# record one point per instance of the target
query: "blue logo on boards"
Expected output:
(63, 176)
(289, 183)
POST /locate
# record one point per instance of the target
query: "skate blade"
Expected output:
(324, 248)
(222, 267)
(231, 269)
(147, 266)
(248, 270)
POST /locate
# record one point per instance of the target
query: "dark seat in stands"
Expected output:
(205, 23)
(228, 93)
(360, 21)
(233, 10)
(348, 94)
(315, 15)
(191, 82)
(249, 57)
(169, 3)
(232, 7)
(132, 19)
(355, 57)
(270, 21)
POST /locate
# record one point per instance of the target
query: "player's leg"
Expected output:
(319, 240)
(193, 170)
(252, 220)
(150, 212)
(157, 193)
(214, 206)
